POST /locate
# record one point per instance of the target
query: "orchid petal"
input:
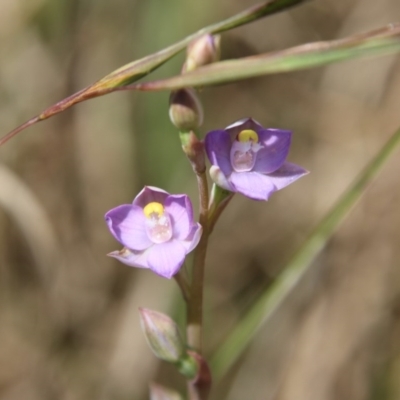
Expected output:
(127, 225)
(286, 174)
(165, 259)
(180, 211)
(219, 178)
(131, 258)
(238, 126)
(218, 147)
(252, 184)
(148, 195)
(193, 239)
(275, 148)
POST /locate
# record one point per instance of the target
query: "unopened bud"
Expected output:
(162, 335)
(202, 51)
(185, 110)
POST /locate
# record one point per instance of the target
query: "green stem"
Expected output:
(195, 305)
(183, 285)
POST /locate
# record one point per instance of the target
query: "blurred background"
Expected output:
(69, 325)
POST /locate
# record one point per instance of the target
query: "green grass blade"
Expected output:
(273, 297)
(252, 14)
(379, 42)
(135, 70)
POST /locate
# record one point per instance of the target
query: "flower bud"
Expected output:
(202, 51)
(162, 335)
(185, 110)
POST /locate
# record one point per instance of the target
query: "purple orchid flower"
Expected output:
(157, 230)
(249, 159)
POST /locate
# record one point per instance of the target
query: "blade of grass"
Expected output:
(381, 41)
(138, 69)
(272, 298)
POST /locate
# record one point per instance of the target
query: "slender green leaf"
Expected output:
(271, 299)
(137, 69)
(382, 41)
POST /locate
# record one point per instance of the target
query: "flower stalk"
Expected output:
(198, 389)
(194, 150)
(183, 285)
(195, 305)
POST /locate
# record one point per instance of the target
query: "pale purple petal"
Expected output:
(193, 239)
(219, 178)
(286, 174)
(238, 126)
(132, 258)
(275, 148)
(252, 184)
(127, 225)
(148, 195)
(165, 259)
(218, 147)
(180, 211)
